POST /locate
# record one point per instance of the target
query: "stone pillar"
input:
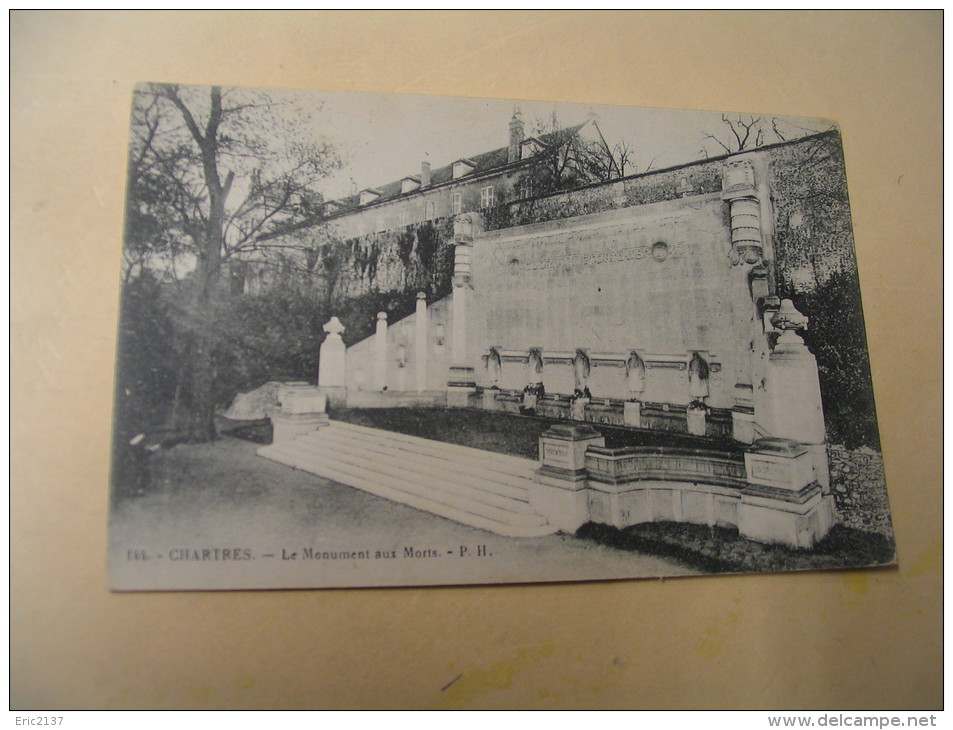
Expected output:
(380, 352)
(420, 342)
(561, 490)
(462, 380)
(744, 209)
(741, 193)
(783, 502)
(332, 370)
(302, 409)
(793, 391)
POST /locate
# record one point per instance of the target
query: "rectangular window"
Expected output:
(404, 217)
(429, 216)
(457, 203)
(486, 197)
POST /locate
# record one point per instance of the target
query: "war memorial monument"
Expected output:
(683, 339)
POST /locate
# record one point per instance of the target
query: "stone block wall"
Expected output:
(859, 489)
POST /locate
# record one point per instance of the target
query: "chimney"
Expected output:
(516, 137)
(425, 174)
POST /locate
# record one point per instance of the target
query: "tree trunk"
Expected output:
(207, 274)
(201, 426)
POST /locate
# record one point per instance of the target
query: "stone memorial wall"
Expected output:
(653, 280)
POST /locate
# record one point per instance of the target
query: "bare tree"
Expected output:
(564, 159)
(746, 132)
(215, 176)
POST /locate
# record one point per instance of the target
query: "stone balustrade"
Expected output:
(769, 492)
(643, 463)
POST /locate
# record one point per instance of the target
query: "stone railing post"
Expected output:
(783, 502)
(560, 493)
(332, 368)
(422, 327)
(380, 352)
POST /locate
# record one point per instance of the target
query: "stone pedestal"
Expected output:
(489, 399)
(288, 427)
(578, 412)
(302, 410)
(799, 521)
(560, 493)
(696, 421)
(783, 502)
(793, 391)
(295, 399)
(780, 464)
(632, 413)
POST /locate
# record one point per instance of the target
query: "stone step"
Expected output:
(516, 472)
(433, 486)
(405, 461)
(501, 462)
(428, 483)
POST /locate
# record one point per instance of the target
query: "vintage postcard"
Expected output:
(378, 340)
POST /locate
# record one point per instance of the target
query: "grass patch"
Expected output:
(722, 550)
(507, 433)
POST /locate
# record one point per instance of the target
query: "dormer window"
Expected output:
(462, 167)
(369, 196)
(409, 184)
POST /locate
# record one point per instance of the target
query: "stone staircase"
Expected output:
(477, 488)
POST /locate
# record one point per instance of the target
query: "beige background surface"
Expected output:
(858, 640)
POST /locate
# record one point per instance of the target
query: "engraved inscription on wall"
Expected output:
(594, 258)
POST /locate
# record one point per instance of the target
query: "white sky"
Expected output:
(384, 137)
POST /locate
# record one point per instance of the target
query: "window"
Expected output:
(429, 211)
(486, 197)
(404, 217)
(457, 203)
(526, 187)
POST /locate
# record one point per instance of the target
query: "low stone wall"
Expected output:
(859, 489)
(396, 399)
(604, 411)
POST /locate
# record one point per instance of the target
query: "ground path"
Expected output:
(222, 497)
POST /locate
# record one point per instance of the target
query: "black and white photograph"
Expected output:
(371, 340)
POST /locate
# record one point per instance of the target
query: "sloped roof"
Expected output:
(484, 162)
